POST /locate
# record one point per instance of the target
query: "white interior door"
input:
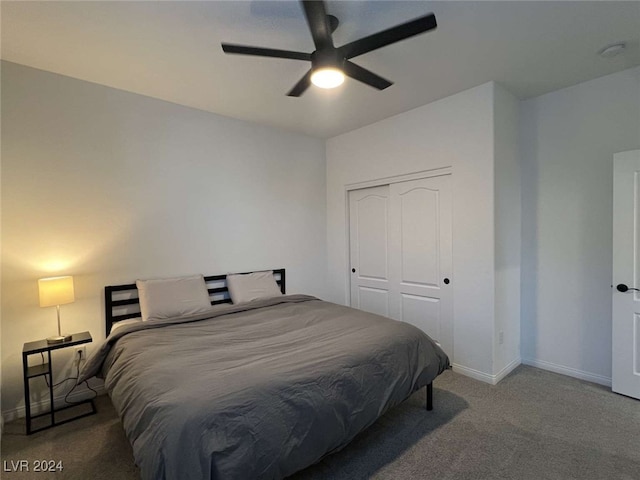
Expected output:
(420, 256)
(369, 245)
(400, 253)
(626, 274)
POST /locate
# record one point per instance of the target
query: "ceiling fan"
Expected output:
(329, 64)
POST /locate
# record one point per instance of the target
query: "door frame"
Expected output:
(435, 172)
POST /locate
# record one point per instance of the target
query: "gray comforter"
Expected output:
(258, 391)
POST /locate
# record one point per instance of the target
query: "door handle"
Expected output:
(446, 281)
(353, 270)
(621, 287)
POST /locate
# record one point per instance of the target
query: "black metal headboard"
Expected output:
(121, 301)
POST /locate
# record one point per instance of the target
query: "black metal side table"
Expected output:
(44, 369)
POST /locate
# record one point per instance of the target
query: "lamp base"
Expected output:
(59, 338)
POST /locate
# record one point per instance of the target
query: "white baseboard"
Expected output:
(486, 377)
(569, 371)
(43, 406)
(510, 367)
(473, 373)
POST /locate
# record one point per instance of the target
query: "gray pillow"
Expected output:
(162, 298)
(252, 286)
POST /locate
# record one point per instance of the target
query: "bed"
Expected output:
(255, 390)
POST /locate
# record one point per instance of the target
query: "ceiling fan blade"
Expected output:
(365, 76)
(265, 52)
(316, 15)
(301, 86)
(389, 36)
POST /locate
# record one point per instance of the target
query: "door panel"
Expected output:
(636, 344)
(423, 312)
(626, 267)
(636, 234)
(419, 235)
(368, 236)
(372, 236)
(420, 256)
(374, 300)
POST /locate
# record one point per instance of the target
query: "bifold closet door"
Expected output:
(400, 252)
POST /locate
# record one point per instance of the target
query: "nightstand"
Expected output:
(46, 369)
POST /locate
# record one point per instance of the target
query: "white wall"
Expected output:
(458, 132)
(568, 139)
(110, 186)
(508, 229)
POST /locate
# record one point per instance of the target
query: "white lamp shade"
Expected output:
(55, 291)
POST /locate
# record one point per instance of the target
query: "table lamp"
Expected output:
(56, 291)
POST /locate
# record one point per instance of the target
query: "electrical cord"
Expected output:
(61, 381)
(95, 393)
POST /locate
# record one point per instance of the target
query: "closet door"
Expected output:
(420, 262)
(369, 247)
(400, 253)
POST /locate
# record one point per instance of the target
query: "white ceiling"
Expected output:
(171, 51)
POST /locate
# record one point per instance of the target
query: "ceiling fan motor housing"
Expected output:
(327, 58)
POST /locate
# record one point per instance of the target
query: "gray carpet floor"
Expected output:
(532, 425)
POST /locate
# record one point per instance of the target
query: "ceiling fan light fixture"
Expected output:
(327, 77)
(329, 64)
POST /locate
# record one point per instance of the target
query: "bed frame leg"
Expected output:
(430, 397)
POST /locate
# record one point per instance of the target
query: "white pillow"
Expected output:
(172, 297)
(252, 286)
